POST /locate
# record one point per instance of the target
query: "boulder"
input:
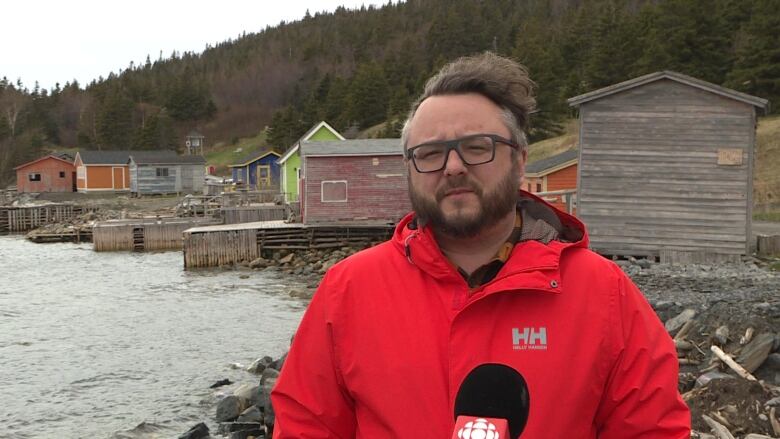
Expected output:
(259, 365)
(269, 373)
(199, 431)
(279, 362)
(229, 408)
(773, 362)
(287, 259)
(722, 335)
(260, 262)
(675, 323)
(220, 383)
(248, 395)
(755, 352)
(252, 414)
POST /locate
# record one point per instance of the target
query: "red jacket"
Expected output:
(393, 330)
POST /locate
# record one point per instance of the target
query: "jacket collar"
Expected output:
(546, 233)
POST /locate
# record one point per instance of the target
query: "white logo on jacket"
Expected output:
(529, 339)
(478, 429)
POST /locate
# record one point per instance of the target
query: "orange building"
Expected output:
(52, 173)
(102, 171)
(555, 173)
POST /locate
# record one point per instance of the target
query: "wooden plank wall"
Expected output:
(21, 219)
(156, 237)
(213, 249)
(649, 178)
(150, 183)
(248, 214)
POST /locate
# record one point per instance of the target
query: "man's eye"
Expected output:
(428, 153)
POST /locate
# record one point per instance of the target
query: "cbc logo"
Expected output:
(478, 429)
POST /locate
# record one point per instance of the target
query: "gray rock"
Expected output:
(773, 362)
(287, 259)
(704, 379)
(279, 362)
(757, 436)
(260, 262)
(229, 408)
(774, 402)
(644, 264)
(755, 352)
(722, 335)
(200, 431)
(663, 305)
(675, 323)
(247, 393)
(252, 414)
(268, 373)
(259, 365)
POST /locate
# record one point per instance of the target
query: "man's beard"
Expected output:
(493, 206)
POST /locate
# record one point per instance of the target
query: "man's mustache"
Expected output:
(457, 182)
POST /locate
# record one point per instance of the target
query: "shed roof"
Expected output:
(353, 147)
(253, 157)
(290, 151)
(104, 157)
(52, 156)
(166, 157)
(674, 76)
(547, 165)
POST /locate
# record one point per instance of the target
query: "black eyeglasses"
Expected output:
(476, 149)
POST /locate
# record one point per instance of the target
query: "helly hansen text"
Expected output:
(529, 338)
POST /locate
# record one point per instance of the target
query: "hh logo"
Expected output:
(529, 339)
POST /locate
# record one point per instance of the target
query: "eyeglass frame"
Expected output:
(454, 145)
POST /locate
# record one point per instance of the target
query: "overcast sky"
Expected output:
(56, 41)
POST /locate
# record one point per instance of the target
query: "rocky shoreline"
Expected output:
(735, 308)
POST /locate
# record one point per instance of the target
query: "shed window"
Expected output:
(62, 174)
(162, 172)
(538, 187)
(334, 191)
(34, 176)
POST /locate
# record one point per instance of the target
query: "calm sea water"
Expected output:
(126, 345)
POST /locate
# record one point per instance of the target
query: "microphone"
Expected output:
(492, 403)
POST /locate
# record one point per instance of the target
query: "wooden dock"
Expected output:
(76, 236)
(22, 219)
(229, 244)
(148, 234)
(253, 213)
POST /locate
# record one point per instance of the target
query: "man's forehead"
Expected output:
(451, 116)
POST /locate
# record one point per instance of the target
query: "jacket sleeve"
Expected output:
(641, 400)
(310, 400)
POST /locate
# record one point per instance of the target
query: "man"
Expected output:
(480, 273)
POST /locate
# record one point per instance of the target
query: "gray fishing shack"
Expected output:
(666, 168)
(165, 172)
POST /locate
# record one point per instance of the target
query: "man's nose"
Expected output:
(455, 164)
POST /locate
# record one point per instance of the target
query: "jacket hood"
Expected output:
(542, 224)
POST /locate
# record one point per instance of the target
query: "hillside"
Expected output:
(363, 67)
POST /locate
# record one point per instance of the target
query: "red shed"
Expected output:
(554, 173)
(353, 180)
(52, 173)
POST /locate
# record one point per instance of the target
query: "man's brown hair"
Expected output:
(500, 79)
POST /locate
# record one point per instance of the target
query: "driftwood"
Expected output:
(684, 330)
(720, 431)
(745, 339)
(726, 358)
(774, 422)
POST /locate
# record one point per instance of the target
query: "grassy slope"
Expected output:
(221, 155)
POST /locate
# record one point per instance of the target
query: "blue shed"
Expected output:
(258, 171)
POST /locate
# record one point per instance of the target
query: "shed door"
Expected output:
(187, 177)
(118, 178)
(263, 176)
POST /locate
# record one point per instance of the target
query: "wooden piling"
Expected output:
(22, 219)
(151, 234)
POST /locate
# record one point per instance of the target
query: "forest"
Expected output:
(362, 68)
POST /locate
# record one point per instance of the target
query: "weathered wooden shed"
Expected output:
(666, 168)
(354, 180)
(165, 172)
(51, 173)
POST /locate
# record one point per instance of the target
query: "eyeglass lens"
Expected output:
(472, 150)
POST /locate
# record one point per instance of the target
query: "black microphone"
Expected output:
(493, 391)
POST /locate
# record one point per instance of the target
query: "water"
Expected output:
(115, 345)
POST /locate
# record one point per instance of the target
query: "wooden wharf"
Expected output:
(146, 234)
(22, 219)
(253, 213)
(213, 246)
(76, 236)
